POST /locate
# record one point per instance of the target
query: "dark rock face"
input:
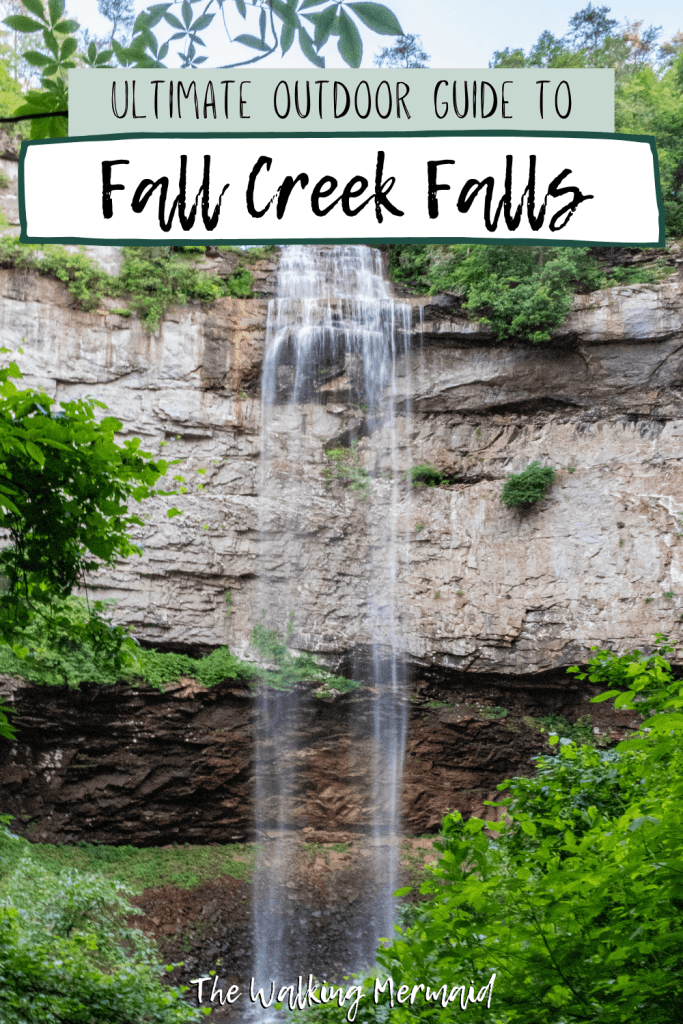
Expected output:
(121, 765)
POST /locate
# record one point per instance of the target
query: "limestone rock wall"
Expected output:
(482, 589)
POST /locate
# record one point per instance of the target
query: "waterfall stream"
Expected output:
(336, 345)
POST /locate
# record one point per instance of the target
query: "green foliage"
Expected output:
(54, 61)
(61, 645)
(6, 730)
(151, 279)
(344, 464)
(65, 486)
(84, 279)
(159, 669)
(521, 291)
(69, 956)
(427, 475)
(68, 641)
(524, 489)
(138, 868)
(581, 731)
(279, 22)
(493, 714)
(577, 903)
(293, 668)
(156, 278)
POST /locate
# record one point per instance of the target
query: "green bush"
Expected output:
(526, 488)
(155, 278)
(69, 956)
(520, 291)
(576, 904)
(427, 475)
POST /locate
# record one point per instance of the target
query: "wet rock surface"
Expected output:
(121, 765)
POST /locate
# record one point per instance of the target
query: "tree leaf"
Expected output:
(103, 57)
(241, 7)
(310, 3)
(262, 24)
(286, 38)
(308, 50)
(404, 891)
(35, 7)
(20, 23)
(56, 9)
(350, 44)
(39, 60)
(69, 46)
(256, 44)
(173, 21)
(377, 17)
(67, 27)
(35, 453)
(187, 13)
(605, 696)
(51, 42)
(323, 21)
(203, 21)
(285, 13)
(163, 52)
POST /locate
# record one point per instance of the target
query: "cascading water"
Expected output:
(334, 335)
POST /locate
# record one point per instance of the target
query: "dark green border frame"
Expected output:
(433, 240)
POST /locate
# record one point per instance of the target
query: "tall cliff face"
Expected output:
(494, 604)
(483, 589)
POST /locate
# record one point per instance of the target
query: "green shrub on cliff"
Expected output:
(151, 279)
(57, 648)
(426, 475)
(521, 490)
(155, 278)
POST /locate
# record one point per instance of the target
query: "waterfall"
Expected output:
(337, 346)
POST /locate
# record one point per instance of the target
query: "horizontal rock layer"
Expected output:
(120, 765)
(481, 588)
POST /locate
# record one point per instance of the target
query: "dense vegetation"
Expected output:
(150, 279)
(68, 953)
(61, 645)
(574, 899)
(65, 489)
(527, 291)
